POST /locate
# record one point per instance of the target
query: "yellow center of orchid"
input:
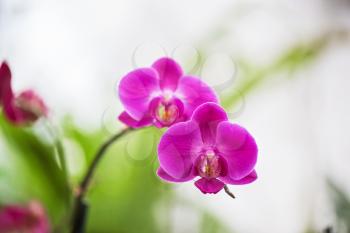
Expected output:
(167, 113)
(208, 165)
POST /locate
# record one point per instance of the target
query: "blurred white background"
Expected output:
(74, 52)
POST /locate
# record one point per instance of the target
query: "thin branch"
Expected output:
(227, 190)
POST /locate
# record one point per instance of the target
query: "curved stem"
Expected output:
(81, 208)
(90, 172)
(227, 190)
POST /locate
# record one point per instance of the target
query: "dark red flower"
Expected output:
(24, 108)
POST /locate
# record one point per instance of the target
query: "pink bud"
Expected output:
(25, 108)
(25, 219)
(31, 105)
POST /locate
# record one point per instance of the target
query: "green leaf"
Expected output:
(211, 224)
(125, 190)
(32, 171)
(127, 187)
(341, 205)
(292, 60)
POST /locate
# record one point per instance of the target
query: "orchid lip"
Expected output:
(209, 165)
(166, 113)
(166, 109)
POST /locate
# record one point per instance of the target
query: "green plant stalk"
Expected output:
(81, 207)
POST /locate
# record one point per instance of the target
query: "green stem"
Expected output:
(81, 208)
(228, 192)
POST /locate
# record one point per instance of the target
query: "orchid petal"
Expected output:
(245, 180)
(178, 149)
(238, 147)
(195, 92)
(131, 122)
(208, 116)
(169, 73)
(165, 176)
(136, 90)
(209, 185)
(5, 83)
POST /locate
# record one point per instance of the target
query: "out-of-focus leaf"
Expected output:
(294, 59)
(211, 224)
(125, 191)
(341, 205)
(32, 171)
(88, 140)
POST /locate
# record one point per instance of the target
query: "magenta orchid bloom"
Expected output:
(210, 147)
(161, 95)
(24, 219)
(25, 108)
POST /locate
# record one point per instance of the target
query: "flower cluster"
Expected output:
(200, 141)
(21, 109)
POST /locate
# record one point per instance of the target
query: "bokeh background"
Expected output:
(282, 69)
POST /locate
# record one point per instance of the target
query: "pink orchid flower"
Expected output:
(210, 147)
(25, 219)
(25, 108)
(161, 95)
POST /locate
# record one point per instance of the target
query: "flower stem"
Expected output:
(229, 192)
(81, 207)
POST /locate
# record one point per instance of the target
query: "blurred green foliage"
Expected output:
(125, 194)
(210, 224)
(30, 171)
(341, 203)
(291, 61)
